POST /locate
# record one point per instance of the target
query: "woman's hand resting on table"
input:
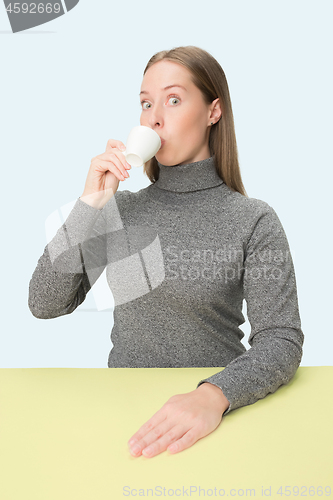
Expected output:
(105, 172)
(181, 422)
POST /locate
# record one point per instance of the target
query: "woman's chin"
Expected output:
(166, 160)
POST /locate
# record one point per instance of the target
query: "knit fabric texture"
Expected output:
(181, 256)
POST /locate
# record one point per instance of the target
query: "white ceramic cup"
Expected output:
(142, 144)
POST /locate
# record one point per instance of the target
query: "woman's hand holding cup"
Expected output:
(105, 172)
(107, 169)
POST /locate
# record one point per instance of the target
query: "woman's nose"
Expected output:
(156, 119)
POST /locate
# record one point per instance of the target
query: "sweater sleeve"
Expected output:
(276, 338)
(71, 263)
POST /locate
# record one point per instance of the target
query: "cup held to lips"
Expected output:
(142, 144)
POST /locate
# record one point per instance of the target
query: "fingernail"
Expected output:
(135, 448)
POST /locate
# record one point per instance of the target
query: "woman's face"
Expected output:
(175, 108)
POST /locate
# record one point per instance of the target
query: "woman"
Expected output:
(181, 256)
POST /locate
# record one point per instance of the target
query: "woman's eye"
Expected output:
(145, 105)
(174, 100)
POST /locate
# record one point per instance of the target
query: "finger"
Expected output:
(155, 420)
(154, 438)
(169, 437)
(112, 143)
(120, 162)
(106, 166)
(114, 160)
(113, 155)
(186, 441)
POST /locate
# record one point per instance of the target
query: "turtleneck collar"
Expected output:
(190, 177)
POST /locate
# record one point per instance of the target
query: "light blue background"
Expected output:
(70, 85)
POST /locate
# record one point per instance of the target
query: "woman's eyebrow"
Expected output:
(165, 88)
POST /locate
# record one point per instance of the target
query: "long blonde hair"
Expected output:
(209, 77)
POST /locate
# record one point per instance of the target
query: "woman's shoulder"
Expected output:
(256, 216)
(247, 205)
(128, 197)
(125, 200)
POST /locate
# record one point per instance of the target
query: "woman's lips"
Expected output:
(162, 142)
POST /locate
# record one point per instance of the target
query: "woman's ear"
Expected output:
(215, 111)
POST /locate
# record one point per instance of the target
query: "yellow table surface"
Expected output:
(64, 433)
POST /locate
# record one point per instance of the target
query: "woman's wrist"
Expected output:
(215, 392)
(95, 200)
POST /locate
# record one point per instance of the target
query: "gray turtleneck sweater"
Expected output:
(180, 257)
